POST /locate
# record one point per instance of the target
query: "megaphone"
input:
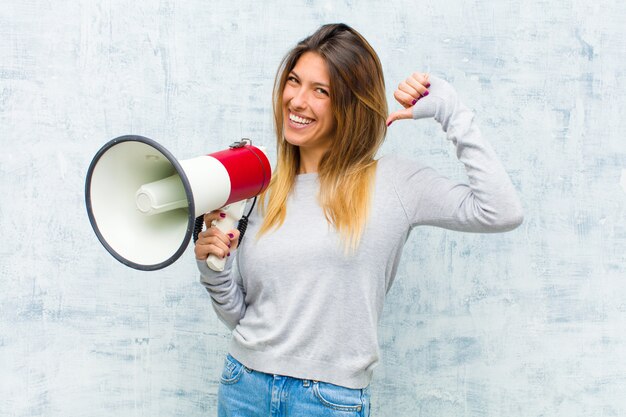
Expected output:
(142, 202)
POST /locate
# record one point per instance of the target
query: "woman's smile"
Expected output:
(298, 121)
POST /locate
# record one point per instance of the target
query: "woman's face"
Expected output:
(307, 115)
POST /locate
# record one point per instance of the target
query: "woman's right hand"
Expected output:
(441, 96)
(408, 93)
(213, 241)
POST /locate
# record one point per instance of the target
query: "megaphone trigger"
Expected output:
(234, 212)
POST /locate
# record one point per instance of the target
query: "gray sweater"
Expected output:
(299, 306)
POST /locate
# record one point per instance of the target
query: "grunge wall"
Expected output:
(528, 323)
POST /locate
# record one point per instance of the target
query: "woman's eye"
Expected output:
(322, 91)
(292, 79)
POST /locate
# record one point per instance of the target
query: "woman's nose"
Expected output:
(299, 99)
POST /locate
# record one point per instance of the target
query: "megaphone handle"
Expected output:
(233, 212)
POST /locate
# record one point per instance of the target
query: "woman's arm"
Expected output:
(226, 287)
(489, 203)
(226, 291)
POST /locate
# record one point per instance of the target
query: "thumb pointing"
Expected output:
(400, 114)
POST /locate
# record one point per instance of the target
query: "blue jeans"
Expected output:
(244, 392)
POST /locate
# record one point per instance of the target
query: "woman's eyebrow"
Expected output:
(315, 82)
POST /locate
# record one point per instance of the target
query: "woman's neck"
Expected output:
(310, 160)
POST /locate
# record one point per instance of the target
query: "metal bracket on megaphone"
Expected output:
(240, 143)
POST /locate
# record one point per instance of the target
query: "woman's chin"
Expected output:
(295, 137)
(293, 141)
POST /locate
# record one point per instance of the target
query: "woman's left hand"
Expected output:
(408, 93)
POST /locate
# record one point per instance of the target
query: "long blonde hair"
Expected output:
(346, 172)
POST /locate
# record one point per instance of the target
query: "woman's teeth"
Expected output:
(299, 119)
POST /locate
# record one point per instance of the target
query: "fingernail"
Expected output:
(427, 85)
(425, 94)
(413, 102)
(228, 253)
(222, 215)
(230, 235)
(229, 245)
(389, 123)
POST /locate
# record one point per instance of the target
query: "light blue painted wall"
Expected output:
(529, 323)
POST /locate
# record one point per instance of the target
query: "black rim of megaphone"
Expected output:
(188, 192)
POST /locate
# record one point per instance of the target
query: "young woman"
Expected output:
(304, 292)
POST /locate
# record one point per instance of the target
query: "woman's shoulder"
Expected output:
(393, 166)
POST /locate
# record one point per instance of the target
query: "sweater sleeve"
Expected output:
(489, 203)
(226, 291)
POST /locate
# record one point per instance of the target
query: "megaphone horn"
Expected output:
(142, 202)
